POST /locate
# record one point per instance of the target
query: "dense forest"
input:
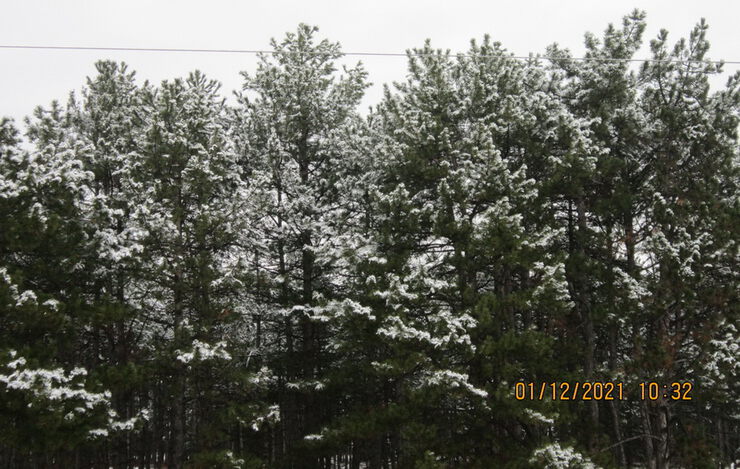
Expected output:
(283, 281)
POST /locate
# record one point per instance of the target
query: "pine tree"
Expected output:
(190, 205)
(642, 227)
(108, 121)
(291, 124)
(51, 402)
(467, 283)
(602, 202)
(691, 242)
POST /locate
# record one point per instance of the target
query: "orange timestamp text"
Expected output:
(602, 391)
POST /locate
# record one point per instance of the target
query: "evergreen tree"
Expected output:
(51, 403)
(651, 139)
(462, 260)
(291, 126)
(108, 121)
(189, 203)
(690, 248)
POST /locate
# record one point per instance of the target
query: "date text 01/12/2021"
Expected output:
(602, 391)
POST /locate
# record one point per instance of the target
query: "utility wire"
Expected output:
(368, 54)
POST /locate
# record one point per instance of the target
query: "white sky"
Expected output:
(32, 77)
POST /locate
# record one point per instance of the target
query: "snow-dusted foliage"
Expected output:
(203, 352)
(269, 417)
(289, 283)
(59, 403)
(55, 386)
(553, 456)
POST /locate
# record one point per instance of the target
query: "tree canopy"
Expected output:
(286, 282)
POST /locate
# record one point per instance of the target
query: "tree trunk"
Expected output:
(584, 306)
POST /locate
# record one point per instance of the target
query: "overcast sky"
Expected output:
(33, 77)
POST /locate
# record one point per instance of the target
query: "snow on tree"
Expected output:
(286, 283)
(293, 129)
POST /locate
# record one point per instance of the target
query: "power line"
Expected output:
(366, 54)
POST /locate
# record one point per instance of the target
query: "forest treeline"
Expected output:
(285, 282)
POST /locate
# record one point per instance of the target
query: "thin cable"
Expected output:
(368, 54)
